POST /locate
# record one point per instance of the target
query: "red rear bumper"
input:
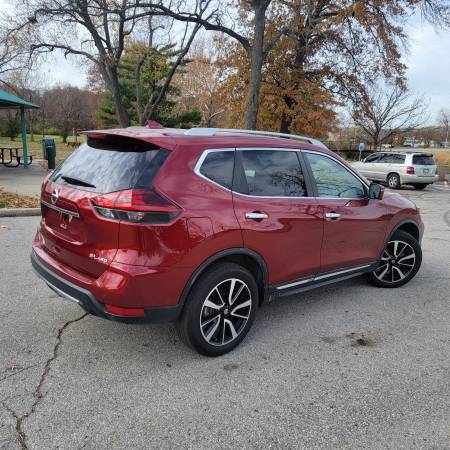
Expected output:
(155, 290)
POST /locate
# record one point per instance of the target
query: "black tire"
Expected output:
(393, 181)
(401, 263)
(189, 326)
(420, 186)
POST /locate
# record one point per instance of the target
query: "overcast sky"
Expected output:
(428, 61)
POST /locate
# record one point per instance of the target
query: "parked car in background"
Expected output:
(203, 226)
(397, 168)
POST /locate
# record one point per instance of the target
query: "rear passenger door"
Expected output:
(397, 164)
(278, 218)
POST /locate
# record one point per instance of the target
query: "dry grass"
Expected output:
(12, 200)
(442, 157)
(35, 148)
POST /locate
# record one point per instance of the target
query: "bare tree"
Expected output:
(444, 119)
(70, 108)
(381, 113)
(146, 110)
(28, 84)
(200, 85)
(13, 52)
(215, 16)
(95, 30)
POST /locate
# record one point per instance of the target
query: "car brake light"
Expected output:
(410, 170)
(136, 205)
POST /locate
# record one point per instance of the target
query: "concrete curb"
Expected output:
(19, 212)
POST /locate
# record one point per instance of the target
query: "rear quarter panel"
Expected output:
(208, 217)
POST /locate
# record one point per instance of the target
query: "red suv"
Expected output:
(202, 226)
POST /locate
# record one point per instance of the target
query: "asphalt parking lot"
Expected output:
(345, 366)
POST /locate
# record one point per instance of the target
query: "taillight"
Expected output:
(410, 170)
(136, 205)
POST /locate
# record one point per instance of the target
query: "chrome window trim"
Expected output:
(273, 149)
(279, 149)
(202, 158)
(61, 210)
(268, 196)
(205, 153)
(345, 167)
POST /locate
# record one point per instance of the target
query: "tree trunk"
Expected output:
(299, 62)
(138, 87)
(284, 124)
(111, 78)
(256, 63)
(31, 127)
(121, 112)
(375, 141)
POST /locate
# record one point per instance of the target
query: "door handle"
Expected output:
(332, 215)
(256, 215)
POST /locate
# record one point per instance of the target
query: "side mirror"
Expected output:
(376, 191)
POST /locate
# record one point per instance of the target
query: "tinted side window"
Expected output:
(372, 158)
(423, 160)
(218, 167)
(334, 180)
(398, 159)
(385, 158)
(272, 173)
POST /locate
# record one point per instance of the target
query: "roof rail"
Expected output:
(217, 131)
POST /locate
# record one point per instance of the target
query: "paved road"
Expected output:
(23, 181)
(300, 379)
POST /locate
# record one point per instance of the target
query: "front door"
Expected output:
(354, 226)
(277, 218)
(382, 167)
(368, 166)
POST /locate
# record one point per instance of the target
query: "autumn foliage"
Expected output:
(328, 52)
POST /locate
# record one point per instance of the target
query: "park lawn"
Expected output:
(12, 200)
(35, 148)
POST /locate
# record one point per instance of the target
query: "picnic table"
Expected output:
(13, 156)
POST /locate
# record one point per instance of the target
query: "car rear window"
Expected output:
(423, 160)
(105, 167)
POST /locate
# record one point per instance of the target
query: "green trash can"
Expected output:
(49, 152)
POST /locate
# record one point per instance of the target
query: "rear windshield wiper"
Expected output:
(76, 181)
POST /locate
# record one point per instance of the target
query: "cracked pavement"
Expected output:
(343, 366)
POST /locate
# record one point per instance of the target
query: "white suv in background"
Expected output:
(397, 168)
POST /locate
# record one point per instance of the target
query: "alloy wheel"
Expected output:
(397, 262)
(393, 182)
(225, 312)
